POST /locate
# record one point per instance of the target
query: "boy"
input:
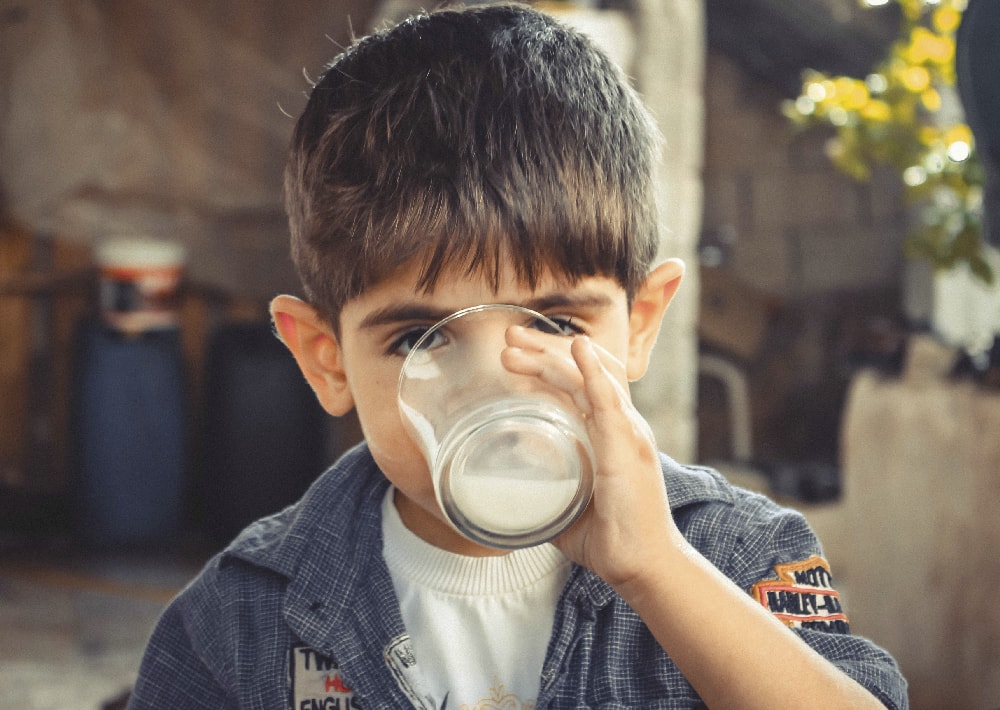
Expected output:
(492, 156)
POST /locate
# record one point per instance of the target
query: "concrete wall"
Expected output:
(670, 67)
(913, 541)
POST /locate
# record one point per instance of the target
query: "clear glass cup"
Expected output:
(510, 459)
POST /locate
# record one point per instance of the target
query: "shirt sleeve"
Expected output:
(799, 587)
(172, 673)
(772, 553)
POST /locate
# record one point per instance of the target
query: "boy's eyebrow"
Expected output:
(405, 312)
(577, 299)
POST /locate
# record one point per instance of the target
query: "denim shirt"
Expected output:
(299, 611)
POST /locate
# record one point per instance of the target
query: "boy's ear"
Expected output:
(316, 350)
(648, 307)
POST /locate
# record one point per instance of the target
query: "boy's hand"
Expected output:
(627, 529)
(628, 537)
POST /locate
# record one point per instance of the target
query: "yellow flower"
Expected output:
(876, 110)
(856, 96)
(931, 100)
(912, 8)
(925, 46)
(843, 85)
(928, 135)
(916, 79)
(946, 19)
(959, 133)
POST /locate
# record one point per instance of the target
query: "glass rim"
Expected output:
(468, 310)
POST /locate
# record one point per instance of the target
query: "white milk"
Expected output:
(512, 505)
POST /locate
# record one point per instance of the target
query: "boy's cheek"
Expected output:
(396, 453)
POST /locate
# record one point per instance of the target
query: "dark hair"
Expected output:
(470, 138)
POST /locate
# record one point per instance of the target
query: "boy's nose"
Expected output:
(476, 357)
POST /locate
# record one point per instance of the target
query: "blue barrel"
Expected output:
(130, 436)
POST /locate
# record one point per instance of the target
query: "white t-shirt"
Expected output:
(479, 626)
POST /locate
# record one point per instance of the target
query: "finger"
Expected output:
(537, 341)
(613, 367)
(532, 339)
(555, 369)
(533, 352)
(603, 388)
(609, 399)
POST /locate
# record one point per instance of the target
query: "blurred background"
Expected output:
(827, 176)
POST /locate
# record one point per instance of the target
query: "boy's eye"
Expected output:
(565, 326)
(408, 340)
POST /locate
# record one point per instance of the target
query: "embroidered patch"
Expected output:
(803, 596)
(402, 662)
(315, 683)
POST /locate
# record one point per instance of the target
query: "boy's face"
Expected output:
(376, 329)
(361, 367)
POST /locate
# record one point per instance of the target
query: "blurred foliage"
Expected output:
(906, 115)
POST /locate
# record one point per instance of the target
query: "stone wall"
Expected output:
(791, 225)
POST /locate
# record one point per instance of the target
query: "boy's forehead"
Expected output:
(459, 278)
(457, 288)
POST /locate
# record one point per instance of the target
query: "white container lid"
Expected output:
(140, 252)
